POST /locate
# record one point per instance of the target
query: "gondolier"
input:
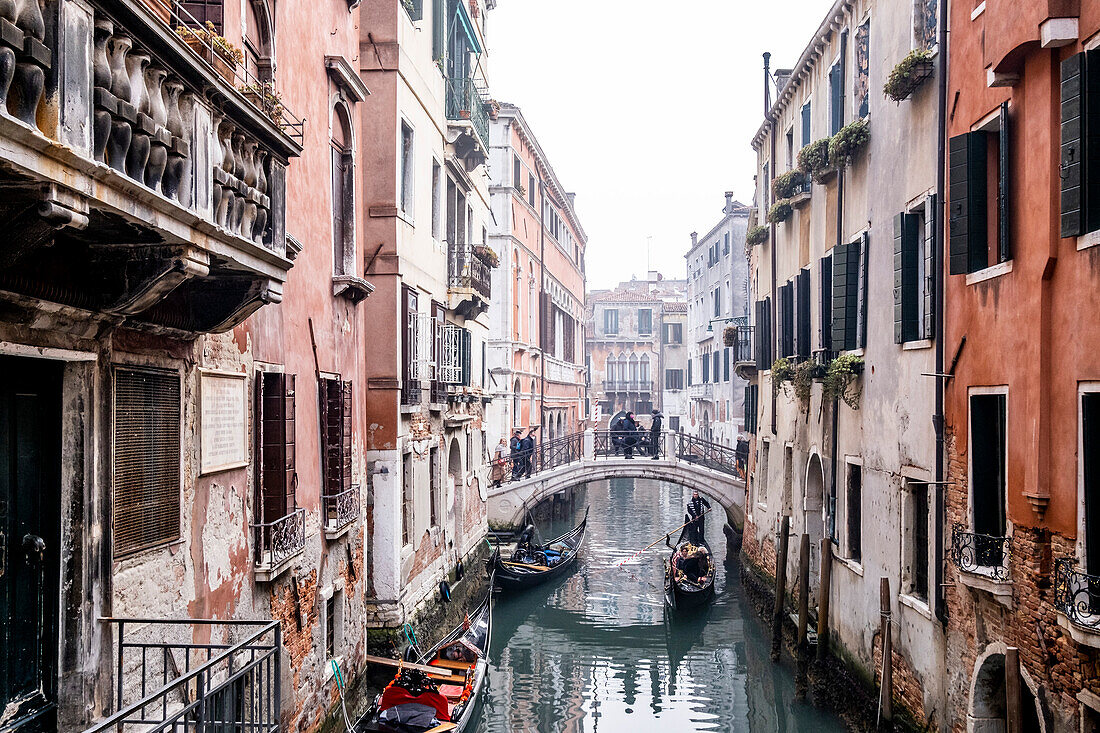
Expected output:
(695, 510)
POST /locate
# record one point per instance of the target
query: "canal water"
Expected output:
(597, 651)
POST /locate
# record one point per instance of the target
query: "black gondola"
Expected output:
(514, 573)
(465, 650)
(683, 592)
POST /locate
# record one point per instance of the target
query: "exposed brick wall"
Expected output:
(297, 612)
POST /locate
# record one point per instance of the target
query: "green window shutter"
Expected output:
(899, 278)
(826, 316)
(967, 191)
(439, 29)
(1072, 152)
(862, 289)
(931, 262)
(840, 296)
(803, 319)
(1004, 248)
(467, 352)
(906, 287)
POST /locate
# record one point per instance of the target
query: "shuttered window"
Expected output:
(763, 334)
(802, 314)
(275, 437)
(931, 260)
(146, 476)
(725, 365)
(751, 392)
(836, 98)
(716, 367)
(335, 413)
(1080, 149)
(706, 367)
(968, 190)
(786, 325)
(805, 124)
(611, 321)
(846, 296)
(825, 317)
(906, 285)
(645, 321)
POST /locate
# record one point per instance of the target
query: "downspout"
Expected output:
(767, 199)
(938, 287)
(542, 301)
(834, 448)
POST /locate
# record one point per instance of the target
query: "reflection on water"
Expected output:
(597, 651)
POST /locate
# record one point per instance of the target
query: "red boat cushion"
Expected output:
(394, 695)
(451, 691)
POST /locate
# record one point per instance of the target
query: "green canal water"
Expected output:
(596, 650)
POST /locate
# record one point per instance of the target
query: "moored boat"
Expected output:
(529, 565)
(419, 700)
(692, 584)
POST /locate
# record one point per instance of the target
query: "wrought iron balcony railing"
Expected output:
(743, 351)
(627, 385)
(980, 554)
(280, 540)
(801, 188)
(165, 681)
(466, 270)
(465, 102)
(341, 509)
(1077, 594)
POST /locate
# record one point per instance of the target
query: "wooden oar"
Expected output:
(442, 727)
(525, 565)
(666, 534)
(441, 671)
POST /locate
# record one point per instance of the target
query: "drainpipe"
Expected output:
(767, 199)
(542, 300)
(938, 287)
(834, 449)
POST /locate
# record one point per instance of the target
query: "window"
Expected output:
(763, 334)
(275, 473)
(725, 365)
(978, 170)
(433, 487)
(674, 424)
(410, 372)
(806, 124)
(717, 302)
(761, 478)
(330, 626)
(726, 245)
(836, 94)
(825, 315)
(987, 473)
(645, 321)
(862, 44)
(517, 172)
(203, 11)
(674, 378)
(705, 359)
(343, 194)
(785, 319)
(717, 373)
(917, 539)
(926, 27)
(750, 408)
(415, 8)
(452, 352)
(849, 295)
(437, 201)
(335, 436)
(611, 321)
(531, 188)
(689, 372)
(146, 485)
(406, 170)
(788, 478)
(802, 347)
(439, 31)
(406, 499)
(1090, 478)
(790, 148)
(855, 512)
(673, 333)
(1080, 168)
(914, 270)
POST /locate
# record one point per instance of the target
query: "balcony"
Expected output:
(277, 543)
(627, 385)
(466, 106)
(1077, 600)
(468, 280)
(982, 561)
(800, 189)
(703, 391)
(147, 185)
(340, 511)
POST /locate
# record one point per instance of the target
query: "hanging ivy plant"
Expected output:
(847, 142)
(908, 74)
(814, 158)
(756, 235)
(729, 336)
(783, 186)
(840, 380)
(782, 372)
(805, 372)
(780, 211)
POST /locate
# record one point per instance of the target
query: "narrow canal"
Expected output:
(597, 651)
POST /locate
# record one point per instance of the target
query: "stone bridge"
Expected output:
(565, 462)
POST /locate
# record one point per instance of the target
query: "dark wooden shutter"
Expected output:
(845, 280)
(465, 356)
(758, 336)
(1072, 148)
(275, 467)
(863, 290)
(803, 316)
(750, 408)
(1090, 141)
(931, 263)
(335, 412)
(836, 98)
(146, 476)
(780, 323)
(345, 435)
(439, 29)
(403, 326)
(338, 241)
(290, 435)
(805, 124)
(906, 307)
(825, 324)
(1004, 240)
(968, 191)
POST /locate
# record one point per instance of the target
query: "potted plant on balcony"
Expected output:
(847, 142)
(783, 187)
(266, 99)
(840, 379)
(214, 48)
(780, 211)
(486, 254)
(782, 372)
(813, 160)
(756, 235)
(803, 378)
(729, 336)
(908, 74)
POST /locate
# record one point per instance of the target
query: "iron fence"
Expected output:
(182, 686)
(620, 443)
(545, 456)
(1077, 594)
(341, 509)
(743, 351)
(718, 457)
(281, 539)
(466, 270)
(466, 102)
(980, 553)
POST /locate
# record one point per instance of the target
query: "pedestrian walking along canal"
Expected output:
(597, 650)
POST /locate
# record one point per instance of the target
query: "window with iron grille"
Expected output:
(335, 410)
(450, 365)
(146, 476)
(275, 473)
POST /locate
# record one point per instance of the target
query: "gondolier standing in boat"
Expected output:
(695, 510)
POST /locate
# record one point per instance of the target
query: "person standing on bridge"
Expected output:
(655, 434)
(515, 453)
(528, 447)
(630, 435)
(696, 508)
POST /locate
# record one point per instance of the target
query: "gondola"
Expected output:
(515, 573)
(463, 653)
(680, 594)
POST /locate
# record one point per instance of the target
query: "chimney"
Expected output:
(767, 82)
(694, 239)
(728, 208)
(781, 78)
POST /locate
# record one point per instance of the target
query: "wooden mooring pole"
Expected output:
(1012, 691)
(823, 598)
(780, 587)
(800, 682)
(886, 691)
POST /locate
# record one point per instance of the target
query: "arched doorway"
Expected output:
(989, 700)
(813, 520)
(455, 485)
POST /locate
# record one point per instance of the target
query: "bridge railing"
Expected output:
(545, 456)
(712, 455)
(618, 444)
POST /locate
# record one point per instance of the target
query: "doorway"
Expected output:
(30, 535)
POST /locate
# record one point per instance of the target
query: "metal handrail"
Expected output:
(466, 270)
(981, 554)
(342, 508)
(1077, 594)
(465, 102)
(282, 538)
(707, 453)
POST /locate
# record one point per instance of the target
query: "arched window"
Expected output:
(535, 417)
(515, 404)
(343, 193)
(259, 44)
(611, 375)
(633, 375)
(643, 368)
(515, 297)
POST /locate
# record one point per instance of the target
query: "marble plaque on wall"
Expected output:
(223, 421)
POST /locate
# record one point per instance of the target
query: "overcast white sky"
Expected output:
(646, 109)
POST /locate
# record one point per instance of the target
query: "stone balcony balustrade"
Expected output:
(144, 176)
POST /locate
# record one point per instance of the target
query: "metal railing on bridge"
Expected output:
(180, 686)
(543, 457)
(718, 457)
